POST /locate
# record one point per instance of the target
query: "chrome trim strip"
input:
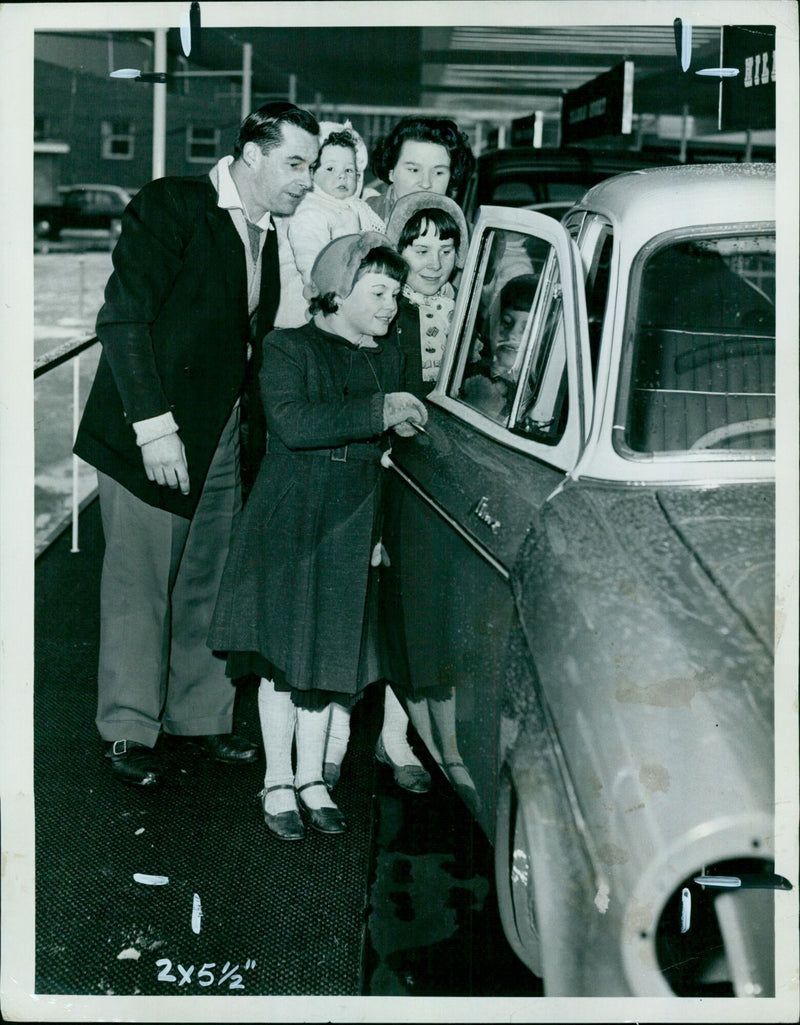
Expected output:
(478, 547)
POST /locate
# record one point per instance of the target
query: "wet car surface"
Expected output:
(582, 579)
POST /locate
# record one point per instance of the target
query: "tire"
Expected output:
(514, 879)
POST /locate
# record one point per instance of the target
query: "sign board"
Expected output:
(748, 99)
(603, 106)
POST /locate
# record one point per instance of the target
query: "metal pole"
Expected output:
(684, 134)
(247, 78)
(76, 397)
(160, 105)
(81, 286)
(538, 128)
(478, 145)
(292, 88)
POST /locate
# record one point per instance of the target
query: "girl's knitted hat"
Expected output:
(405, 208)
(336, 266)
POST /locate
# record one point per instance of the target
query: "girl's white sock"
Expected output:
(338, 734)
(393, 731)
(276, 713)
(311, 730)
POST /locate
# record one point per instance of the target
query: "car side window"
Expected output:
(597, 280)
(700, 366)
(499, 322)
(543, 406)
(102, 200)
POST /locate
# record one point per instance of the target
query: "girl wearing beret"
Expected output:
(298, 600)
(430, 233)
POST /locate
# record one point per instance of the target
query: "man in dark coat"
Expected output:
(194, 290)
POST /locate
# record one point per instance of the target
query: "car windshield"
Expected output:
(699, 370)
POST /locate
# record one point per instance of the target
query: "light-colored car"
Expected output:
(582, 575)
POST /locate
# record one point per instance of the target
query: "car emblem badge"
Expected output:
(481, 510)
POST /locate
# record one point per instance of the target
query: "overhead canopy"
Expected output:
(531, 68)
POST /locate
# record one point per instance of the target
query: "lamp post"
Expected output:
(160, 105)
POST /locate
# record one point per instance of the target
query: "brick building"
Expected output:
(104, 125)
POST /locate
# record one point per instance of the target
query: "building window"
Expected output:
(117, 140)
(202, 144)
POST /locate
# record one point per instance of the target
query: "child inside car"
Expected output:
(491, 389)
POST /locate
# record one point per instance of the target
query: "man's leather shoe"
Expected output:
(135, 763)
(228, 747)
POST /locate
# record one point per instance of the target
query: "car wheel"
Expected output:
(514, 879)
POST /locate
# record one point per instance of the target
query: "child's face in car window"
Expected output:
(506, 341)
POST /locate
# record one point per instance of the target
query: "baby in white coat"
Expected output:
(331, 209)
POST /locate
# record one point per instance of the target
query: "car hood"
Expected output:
(730, 531)
(676, 581)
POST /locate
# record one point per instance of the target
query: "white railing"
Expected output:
(69, 351)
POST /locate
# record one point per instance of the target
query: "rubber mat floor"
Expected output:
(402, 904)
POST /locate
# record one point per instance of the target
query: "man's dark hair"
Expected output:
(264, 126)
(441, 131)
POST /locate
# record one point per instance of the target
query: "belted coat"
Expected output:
(298, 588)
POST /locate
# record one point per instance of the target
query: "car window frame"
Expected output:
(565, 454)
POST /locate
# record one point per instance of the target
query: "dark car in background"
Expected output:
(84, 207)
(547, 179)
(581, 579)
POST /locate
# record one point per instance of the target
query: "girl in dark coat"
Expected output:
(298, 603)
(430, 233)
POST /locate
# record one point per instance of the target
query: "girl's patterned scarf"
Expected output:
(435, 315)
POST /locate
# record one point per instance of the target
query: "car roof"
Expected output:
(574, 158)
(663, 198)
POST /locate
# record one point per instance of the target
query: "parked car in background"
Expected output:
(582, 576)
(83, 207)
(526, 176)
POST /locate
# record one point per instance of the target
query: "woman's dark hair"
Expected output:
(264, 126)
(415, 225)
(380, 260)
(343, 138)
(441, 131)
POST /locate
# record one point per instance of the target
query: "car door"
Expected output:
(507, 422)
